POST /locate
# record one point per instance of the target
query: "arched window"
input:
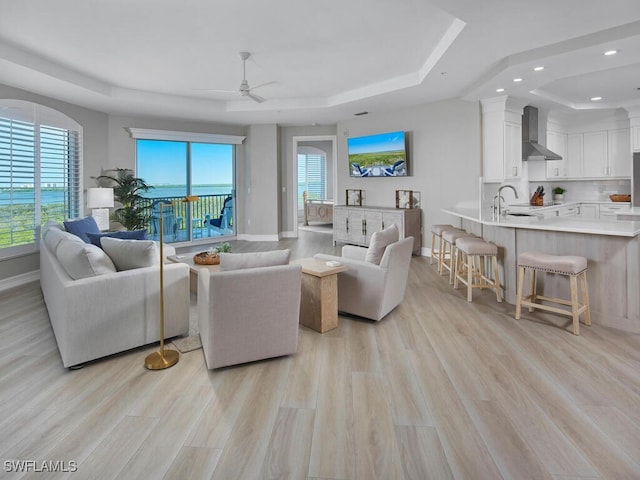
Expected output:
(40, 172)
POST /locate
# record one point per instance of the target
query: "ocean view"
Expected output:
(51, 195)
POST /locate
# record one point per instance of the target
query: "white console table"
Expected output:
(355, 225)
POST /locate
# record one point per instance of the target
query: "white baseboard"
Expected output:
(288, 234)
(425, 251)
(18, 280)
(258, 238)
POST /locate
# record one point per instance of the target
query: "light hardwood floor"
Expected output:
(441, 388)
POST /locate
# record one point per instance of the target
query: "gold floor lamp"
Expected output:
(163, 358)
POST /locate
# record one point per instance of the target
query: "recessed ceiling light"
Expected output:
(595, 99)
(499, 90)
(517, 79)
(537, 69)
(610, 52)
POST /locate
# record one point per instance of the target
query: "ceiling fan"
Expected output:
(245, 90)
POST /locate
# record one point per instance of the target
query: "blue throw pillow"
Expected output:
(123, 235)
(81, 227)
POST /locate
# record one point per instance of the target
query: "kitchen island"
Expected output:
(611, 247)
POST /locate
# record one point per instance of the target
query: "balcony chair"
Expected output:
(169, 221)
(222, 224)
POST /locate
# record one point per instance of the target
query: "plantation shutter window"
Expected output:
(40, 172)
(312, 176)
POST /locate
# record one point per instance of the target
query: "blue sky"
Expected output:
(382, 142)
(162, 162)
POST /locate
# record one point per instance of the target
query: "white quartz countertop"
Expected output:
(626, 206)
(621, 228)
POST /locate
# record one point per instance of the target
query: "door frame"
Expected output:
(294, 182)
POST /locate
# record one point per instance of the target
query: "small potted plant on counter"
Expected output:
(558, 194)
(211, 257)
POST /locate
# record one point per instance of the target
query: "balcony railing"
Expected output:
(181, 216)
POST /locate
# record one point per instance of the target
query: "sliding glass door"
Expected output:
(176, 169)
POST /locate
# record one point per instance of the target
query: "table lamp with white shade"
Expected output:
(100, 200)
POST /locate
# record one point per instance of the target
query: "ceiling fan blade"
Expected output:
(264, 85)
(256, 98)
(216, 90)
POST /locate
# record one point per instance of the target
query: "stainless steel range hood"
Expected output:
(530, 145)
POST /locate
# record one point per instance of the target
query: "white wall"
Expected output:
(261, 188)
(444, 160)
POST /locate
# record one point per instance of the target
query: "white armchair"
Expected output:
(248, 314)
(369, 290)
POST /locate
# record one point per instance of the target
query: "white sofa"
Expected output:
(112, 312)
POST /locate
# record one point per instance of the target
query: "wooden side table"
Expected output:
(193, 268)
(319, 299)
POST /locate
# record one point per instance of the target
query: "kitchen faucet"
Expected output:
(497, 206)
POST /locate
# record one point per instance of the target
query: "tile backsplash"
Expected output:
(576, 190)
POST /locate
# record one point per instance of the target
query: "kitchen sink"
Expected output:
(521, 214)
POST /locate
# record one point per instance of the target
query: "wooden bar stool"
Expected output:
(436, 233)
(471, 253)
(573, 266)
(449, 238)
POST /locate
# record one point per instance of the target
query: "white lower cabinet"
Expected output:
(589, 211)
(610, 212)
(356, 225)
(572, 211)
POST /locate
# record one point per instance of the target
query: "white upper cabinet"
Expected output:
(492, 150)
(501, 138)
(557, 143)
(619, 157)
(594, 145)
(634, 123)
(512, 150)
(603, 154)
(573, 162)
(635, 139)
(607, 154)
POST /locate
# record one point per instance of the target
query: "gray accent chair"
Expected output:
(369, 290)
(248, 314)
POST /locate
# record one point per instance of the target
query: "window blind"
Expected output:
(40, 172)
(312, 176)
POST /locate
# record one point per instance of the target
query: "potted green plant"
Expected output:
(132, 214)
(558, 194)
